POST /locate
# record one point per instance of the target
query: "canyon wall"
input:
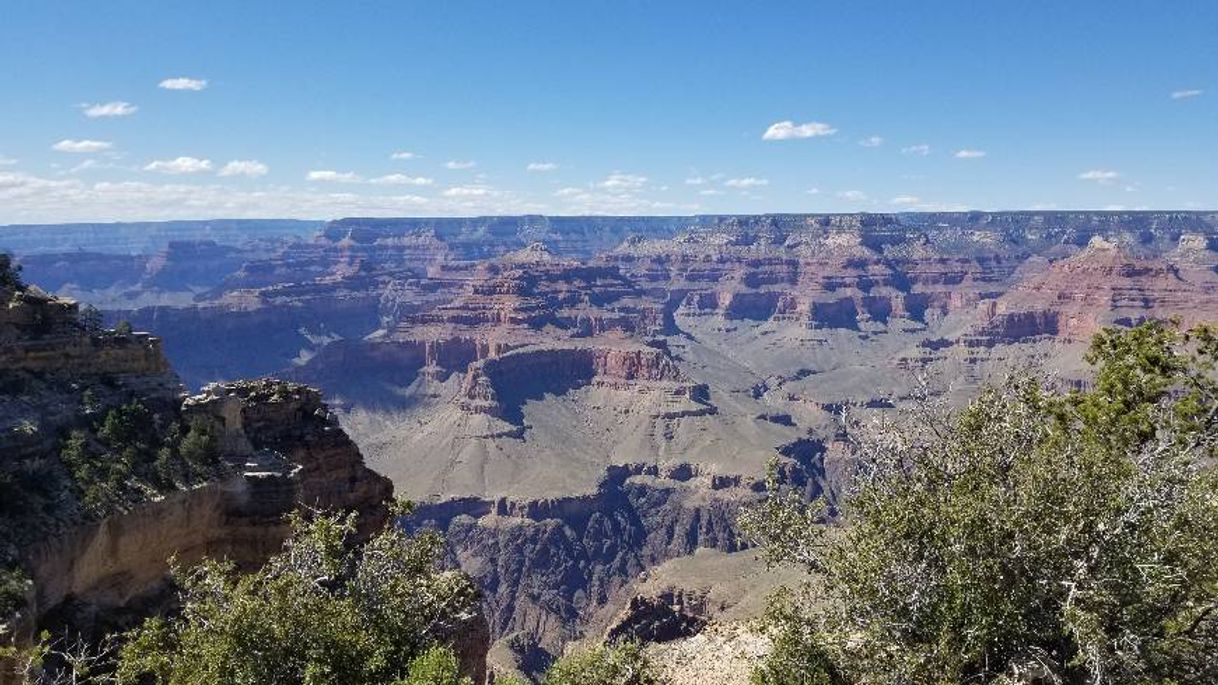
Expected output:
(279, 449)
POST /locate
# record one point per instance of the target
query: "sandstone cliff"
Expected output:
(95, 563)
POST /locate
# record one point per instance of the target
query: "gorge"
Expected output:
(573, 401)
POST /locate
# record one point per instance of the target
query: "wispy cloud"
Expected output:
(620, 181)
(748, 182)
(244, 167)
(403, 154)
(852, 195)
(789, 130)
(467, 191)
(331, 176)
(86, 146)
(969, 154)
(541, 166)
(812, 191)
(458, 164)
(1186, 94)
(179, 165)
(183, 83)
(401, 180)
(118, 108)
(7, 161)
(920, 150)
(695, 181)
(905, 200)
(1101, 176)
(872, 141)
(710, 192)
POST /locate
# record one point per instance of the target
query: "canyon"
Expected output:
(579, 401)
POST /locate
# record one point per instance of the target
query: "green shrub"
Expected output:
(436, 666)
(319, 612)
(90, 319)
(620, 664)
(14, 584)
(99, 478)
(200, 447)
(1034, 536)
(10, 273)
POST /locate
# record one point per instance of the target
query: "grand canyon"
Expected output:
(582, 405)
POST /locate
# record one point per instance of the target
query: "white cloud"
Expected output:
(90, 164)
(179, 165)
(541, 166)
(852, 195)
(920, 150)
(1186, 94)
(812, 191)
(31, 199)
(569, 192)
(1102, 176)
(788, 130)
(695, 181)
(330, 176)
(244, 167)
(624, 182)
(7, 161)
(402, 154)
(710, 191)
(183, 83)
(401, 180)
(457, 164)
(905, 200)
(467, 191)
(748, 182)
(969, 154)
(69, 145)
(872, 141)
(118, 108)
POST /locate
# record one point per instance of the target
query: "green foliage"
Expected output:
(436, 666)
(123, 328)
(99, 479)
(14, 583)
(319, 612)
(10, 273)
(797, 657)
(128, 453)
(90, 319)
(620, 664)
(200, 447)
(1032, 535)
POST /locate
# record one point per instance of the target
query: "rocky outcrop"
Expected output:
(1107, 282)
(286, 452)
(546, 566)
(667, 616)
(278, 446)
(499, 385)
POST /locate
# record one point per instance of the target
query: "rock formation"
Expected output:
(279, 450)
(497, 368)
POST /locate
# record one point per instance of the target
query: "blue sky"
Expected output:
(296, 110)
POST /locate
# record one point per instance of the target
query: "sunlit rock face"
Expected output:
(280, 449)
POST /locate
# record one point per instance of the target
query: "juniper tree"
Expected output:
(1034, 536)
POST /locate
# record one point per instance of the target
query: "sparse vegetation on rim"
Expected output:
(1034, 536)
(321, 611)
